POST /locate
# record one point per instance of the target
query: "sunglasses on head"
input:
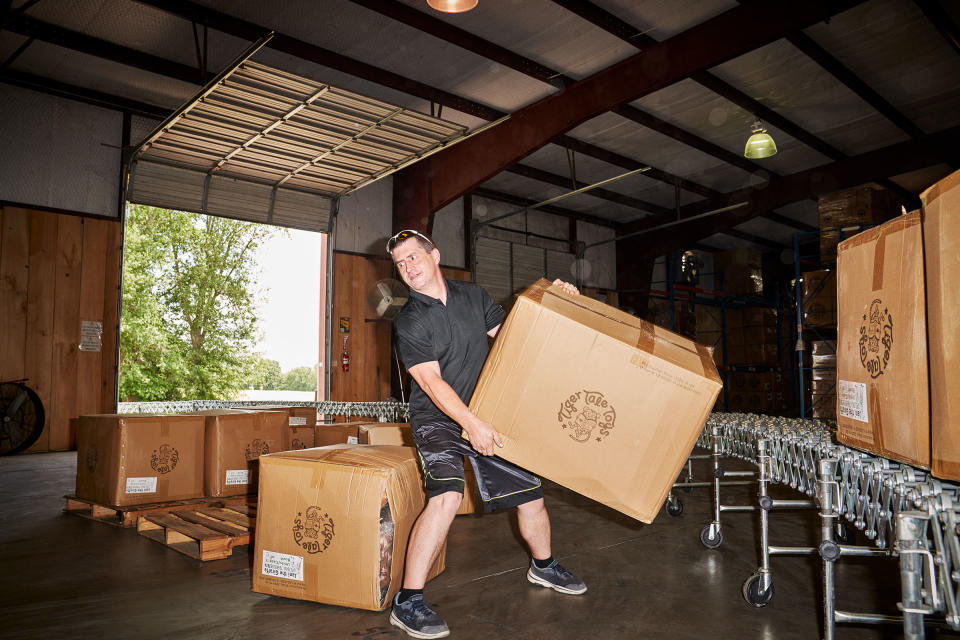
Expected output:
(406, 234)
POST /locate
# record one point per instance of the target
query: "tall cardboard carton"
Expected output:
(136, 459)
(233, 442)
(882, 390)
(333, 524)
(597, 400)
(941, 238)
(400, 434)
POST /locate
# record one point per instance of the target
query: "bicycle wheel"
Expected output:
(21, 417)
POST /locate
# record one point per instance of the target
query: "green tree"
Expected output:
(265, 374)
(189, 298)
(300, 379)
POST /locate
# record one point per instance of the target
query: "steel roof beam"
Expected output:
(509, 198)
(942, 21)
(599, 192)
(843, 174)
(590, 12)
(445, 176)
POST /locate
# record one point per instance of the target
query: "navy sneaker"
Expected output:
(417, 618)
(557, 578)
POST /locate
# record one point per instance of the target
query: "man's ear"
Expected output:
(436, 255)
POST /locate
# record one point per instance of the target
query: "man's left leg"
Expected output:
(544, 569)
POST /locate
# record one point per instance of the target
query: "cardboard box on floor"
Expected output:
(941, 238)
(597, 400)
(136, 459)
(333, 524)
(233, 441)
(400, 434)
(882, 390)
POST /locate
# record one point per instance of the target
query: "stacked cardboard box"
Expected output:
(338, 433)
(736, 352)
(302, 422)
(941, 244)
(234, 440)
(741, 270)
(818, 293)
(823, 397)
(710, 330)
(601, 402)
(882, 380)
(400, 434)
(333, 524)
(684, 319)
(137, 459)
(854, 210)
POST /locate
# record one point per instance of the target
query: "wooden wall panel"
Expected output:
(111, 318)
(368, 379)
(56, 270)
(92, 273)
(66, 329)
(14, 276)
(39, 339)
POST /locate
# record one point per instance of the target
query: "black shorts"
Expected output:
(441, 450)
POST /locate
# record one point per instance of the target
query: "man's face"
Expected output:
(418, 268)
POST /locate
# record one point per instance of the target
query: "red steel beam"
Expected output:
(431, 184)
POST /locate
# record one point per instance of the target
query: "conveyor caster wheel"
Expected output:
(752, 591)
(674, 506)
(711, 536)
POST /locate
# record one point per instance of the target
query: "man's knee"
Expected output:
(447, 502)
(534, 506)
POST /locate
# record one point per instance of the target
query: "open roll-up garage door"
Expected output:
(264, 145)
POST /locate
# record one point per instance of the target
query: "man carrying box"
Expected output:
(442, 339)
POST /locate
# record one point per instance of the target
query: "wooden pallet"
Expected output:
(203, 534)
(127, 516)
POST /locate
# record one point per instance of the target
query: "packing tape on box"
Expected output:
(706, 359)
(647, 337)
(876, 417)
(879, 249)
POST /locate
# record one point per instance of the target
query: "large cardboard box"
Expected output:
(135, 459)
(233, 442)
(604, 403)
(882, 389)
(333, 524)
(941, 238)
(400, 434)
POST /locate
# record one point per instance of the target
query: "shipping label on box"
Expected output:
(595, 399)
(342, 518)
(882, 342)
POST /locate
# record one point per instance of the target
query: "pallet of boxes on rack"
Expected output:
(752, 351)
(846, 213)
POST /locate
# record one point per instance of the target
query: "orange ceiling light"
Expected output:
(452, 6)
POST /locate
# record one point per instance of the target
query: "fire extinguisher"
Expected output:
(345, 355)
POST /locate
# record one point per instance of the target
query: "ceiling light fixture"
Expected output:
(452, 6)
(760, 144)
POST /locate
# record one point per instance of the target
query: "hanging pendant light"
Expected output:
(760, 144)
(452, 6)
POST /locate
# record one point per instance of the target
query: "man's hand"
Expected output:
(482, 436)
(567, 287)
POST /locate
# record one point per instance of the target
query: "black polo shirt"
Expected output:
(455, 335)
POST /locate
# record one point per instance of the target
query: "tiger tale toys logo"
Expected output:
(876, 338)
(164, 459)
(586, 415)
(256, 449)
(313, 532)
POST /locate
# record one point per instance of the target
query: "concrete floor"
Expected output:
(62, 576)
